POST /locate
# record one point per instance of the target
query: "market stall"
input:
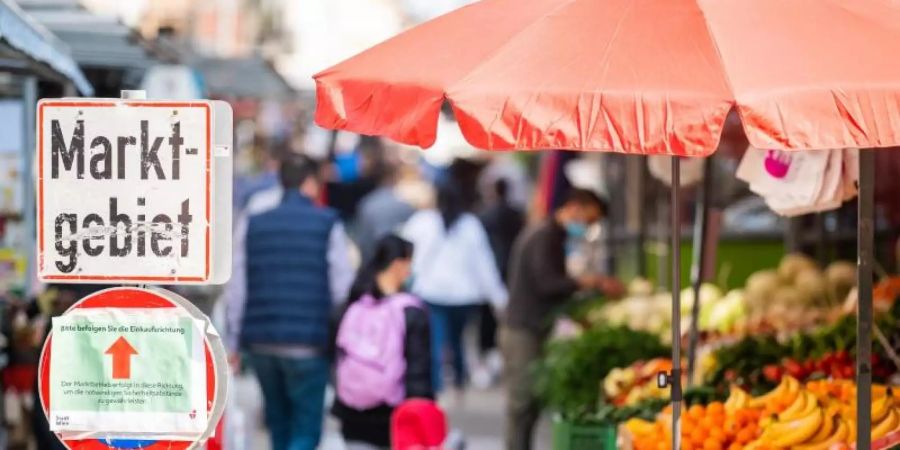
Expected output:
(583, 75)
(794, 318)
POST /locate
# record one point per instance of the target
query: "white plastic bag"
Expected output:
(795, 183)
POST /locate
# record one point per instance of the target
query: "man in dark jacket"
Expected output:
(291, 269)
(539, 284)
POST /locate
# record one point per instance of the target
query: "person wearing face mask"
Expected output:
(539, 284)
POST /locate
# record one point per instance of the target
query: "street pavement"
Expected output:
(477, 413)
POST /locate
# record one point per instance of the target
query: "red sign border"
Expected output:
(123, 278)
(123, 297)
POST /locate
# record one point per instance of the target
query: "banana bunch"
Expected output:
(787, 391)
(796, 425)
(885, 416)
(809, 423)
(834, 430)
(737, 399)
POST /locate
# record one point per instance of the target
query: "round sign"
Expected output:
(133, 368)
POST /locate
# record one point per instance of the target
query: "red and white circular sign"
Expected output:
(133, 368)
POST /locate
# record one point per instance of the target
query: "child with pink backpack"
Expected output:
(382, 348)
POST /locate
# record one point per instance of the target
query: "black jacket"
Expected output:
(538, 282)
(502, 223)
(373, 425)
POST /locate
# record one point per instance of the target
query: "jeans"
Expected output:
(447, 326)
(294, 396)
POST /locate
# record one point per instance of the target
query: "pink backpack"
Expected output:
(371, 351)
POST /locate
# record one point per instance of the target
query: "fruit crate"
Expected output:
(569, 436)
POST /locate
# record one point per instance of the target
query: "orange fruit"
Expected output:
(741, 417)
(735, 446)
(699, 436)
(715, 408)
(730, 425)
(712, 445)
(697, 412)
(717, 434)
(719, 419)
(746, 435)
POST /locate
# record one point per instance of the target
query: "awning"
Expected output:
(97, 41)
(26, 36)
(242, 77)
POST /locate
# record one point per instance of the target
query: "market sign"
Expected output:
(134, 191)
(130, 365)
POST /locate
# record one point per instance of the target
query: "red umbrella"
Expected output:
(638, 76)
(644, 77)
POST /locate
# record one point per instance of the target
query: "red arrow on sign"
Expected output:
(121, 352)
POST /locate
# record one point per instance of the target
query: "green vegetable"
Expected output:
(569, 377)
(747, 357)
(580, 310)
(703, 395)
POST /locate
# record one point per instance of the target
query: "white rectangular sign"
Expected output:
(134, 191)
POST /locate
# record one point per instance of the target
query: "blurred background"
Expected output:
(259, 55)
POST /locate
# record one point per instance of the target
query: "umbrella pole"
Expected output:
(675, 379)
(865, 258)
(698, 264)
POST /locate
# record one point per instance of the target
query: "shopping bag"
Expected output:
(795, 183)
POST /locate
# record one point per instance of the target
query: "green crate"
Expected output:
(569, 436)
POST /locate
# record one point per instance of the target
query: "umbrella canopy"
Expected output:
(634, 76)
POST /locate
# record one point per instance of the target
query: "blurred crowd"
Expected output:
(367, 247)
(367, 270)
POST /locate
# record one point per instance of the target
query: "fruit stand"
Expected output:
(776, 366)
(816, 415)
